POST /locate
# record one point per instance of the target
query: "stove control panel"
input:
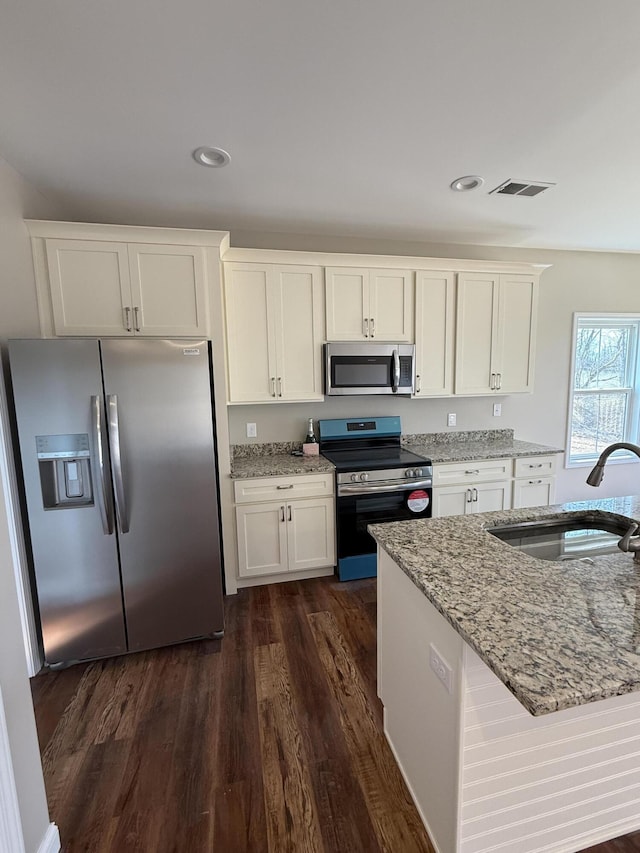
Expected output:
(359, 478)
(414, 472)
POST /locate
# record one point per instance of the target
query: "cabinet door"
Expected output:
(391, 305)
(262, 539)
(476, 329)
(251, 357)
(518, 308)
(347, 295)
(451, 500)
(535, 492)
(311, 534)
(169, 291)
(90, 287)
(298, 324)
(434, 334)
(489, 497)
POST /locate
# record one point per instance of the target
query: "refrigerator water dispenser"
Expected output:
(65, 470)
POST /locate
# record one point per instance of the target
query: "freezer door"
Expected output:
(159, 410)
(56, 384)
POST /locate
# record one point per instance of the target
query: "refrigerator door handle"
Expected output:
(104, 501)
(116, 461)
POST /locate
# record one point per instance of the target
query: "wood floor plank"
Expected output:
(342, 810)
(292, 818)
(165, 751)
(236, 739)
(381, 782)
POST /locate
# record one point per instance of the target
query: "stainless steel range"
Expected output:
(377, 480)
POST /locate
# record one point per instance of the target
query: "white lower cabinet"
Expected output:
(535, 482)
(463, 500)
(283, 532)
(493, 484)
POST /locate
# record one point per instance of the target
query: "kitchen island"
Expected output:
(509, 683)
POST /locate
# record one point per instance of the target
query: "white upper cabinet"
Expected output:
(90, 287)
(495, 333)
(107, 288)
(168, 290)
(274, 332)
(435, 315)
(369, 304)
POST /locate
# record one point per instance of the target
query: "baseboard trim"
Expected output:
(51, 841)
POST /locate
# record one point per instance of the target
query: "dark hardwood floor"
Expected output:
(268, 741)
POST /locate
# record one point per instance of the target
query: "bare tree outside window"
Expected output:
(603, 385)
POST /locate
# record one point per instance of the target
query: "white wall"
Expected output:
(577, 281)
(18, 316)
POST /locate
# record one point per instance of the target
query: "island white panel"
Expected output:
(557, 783)
(422, 719)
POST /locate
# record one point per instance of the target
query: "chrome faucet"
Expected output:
(597, 473)
(629, 542)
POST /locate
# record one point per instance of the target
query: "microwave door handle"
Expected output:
(396, 371)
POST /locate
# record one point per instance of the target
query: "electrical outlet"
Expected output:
(441, 668)
(497, 410)
(252, 431)
(451, 419)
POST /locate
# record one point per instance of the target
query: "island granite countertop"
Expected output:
(557, 634)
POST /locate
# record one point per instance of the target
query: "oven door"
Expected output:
(356, 548)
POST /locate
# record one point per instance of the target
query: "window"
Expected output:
(604, 392)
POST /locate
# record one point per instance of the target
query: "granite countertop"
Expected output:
(274, 460)
(474, 445)
(557, 634)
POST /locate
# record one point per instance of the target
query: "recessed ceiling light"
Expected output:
(469, 182)
(209, 156)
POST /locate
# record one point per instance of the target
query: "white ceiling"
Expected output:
(341, 117)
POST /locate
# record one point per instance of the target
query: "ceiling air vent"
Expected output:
(529, 188)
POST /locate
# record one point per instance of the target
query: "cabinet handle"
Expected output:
(372, 326)
(273, 386)
(365, 325)
(281, 513)
(475, 494)
(127, 319)
(469, 496)
(290, 486)
(499, 385)
(136, 318)
(476, 471)
(534, 482)
(289, 508)
(539, 465)
(279, 386)
(492, 382)
(418, 383)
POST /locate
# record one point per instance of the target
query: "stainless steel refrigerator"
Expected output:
(118, 458)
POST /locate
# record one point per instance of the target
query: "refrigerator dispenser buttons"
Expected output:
(65, 474)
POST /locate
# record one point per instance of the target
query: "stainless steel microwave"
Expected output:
(364, 368)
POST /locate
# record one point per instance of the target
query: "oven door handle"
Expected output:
(365, 488)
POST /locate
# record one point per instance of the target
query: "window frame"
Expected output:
(632, 425)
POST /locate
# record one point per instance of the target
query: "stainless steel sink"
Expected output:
(579, 536)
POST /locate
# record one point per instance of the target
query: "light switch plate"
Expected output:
(497, 410)
(252, 431)
(451, 419)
